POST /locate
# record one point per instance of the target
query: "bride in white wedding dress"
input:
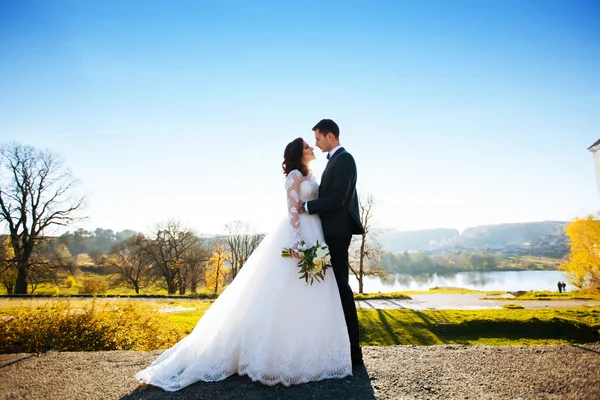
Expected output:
(268, 324)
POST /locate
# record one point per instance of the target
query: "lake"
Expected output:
(477, 280)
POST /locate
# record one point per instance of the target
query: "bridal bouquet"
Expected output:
(314, 262)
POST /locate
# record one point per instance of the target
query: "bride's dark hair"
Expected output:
(292, 157)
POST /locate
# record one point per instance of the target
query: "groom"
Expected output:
(337, 207)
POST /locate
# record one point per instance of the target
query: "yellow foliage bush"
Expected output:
(70, 282)
(121, 325)
(91, 286)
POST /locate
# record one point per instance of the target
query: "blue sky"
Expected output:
(458, 113)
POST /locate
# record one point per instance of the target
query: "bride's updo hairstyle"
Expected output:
(292, 157)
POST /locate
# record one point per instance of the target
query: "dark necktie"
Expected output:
(328, 156)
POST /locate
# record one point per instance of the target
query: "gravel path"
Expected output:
(398, 372)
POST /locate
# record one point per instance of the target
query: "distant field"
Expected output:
(113, 289)
(585, 294)
(542, 263)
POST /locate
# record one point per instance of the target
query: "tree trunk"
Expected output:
(21, 285)
(136, 287)
(217, 280)
(361, 271)
(171, 286)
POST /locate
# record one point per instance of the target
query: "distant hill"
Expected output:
(511, 234)
(398, 241)
(474, 237)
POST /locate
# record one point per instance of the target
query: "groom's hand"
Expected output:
(301, 210)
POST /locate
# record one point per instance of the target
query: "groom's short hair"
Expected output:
(326, 126)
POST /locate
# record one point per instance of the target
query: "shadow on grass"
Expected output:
(556, 328)
(423, 328)
(389, 327)
(236, 387)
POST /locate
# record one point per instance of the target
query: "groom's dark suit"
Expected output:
(337, 207)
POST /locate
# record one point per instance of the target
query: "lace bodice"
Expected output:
(299, 189)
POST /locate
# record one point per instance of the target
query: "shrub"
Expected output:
(69, 282)
(94, 287)
(55, 291)
(374, 296)
(513, 306)
(120, 325)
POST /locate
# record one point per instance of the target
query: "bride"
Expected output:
(268, 324)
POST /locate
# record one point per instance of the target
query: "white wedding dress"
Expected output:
(267, 324)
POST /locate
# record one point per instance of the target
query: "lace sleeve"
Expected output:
(292, 187)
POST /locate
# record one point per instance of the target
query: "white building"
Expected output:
(595, 149)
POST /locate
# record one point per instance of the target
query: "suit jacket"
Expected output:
(337, 204)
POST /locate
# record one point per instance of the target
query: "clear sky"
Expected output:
(458, 113)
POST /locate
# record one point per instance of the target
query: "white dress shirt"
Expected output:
(332, 152)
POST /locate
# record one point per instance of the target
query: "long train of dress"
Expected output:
(268, 324)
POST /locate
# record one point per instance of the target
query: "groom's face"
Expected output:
(322, 142)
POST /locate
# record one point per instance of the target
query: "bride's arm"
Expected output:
(292, 186)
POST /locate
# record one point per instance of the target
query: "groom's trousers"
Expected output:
(338, 249)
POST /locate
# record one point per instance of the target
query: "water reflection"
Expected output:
(387, 279)
(478, 280)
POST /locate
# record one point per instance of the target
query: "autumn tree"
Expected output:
(8, 270)
(64, 258)
(365, 250)
(215, 271)
(241, 241)
(83, 260)
(35, 190)
(583, 265)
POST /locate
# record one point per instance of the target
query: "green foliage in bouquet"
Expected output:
(314, 262)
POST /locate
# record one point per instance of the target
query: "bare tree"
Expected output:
(365, 250)
(241, 242)
(131, 262)
(194, 265)
(34, 195)
(42, 265)
(167, 250)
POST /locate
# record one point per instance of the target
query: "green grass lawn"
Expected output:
(585, 294)
(373, 296)
(406, 294)
(490, 327)
(450, 290)
(392, 327)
